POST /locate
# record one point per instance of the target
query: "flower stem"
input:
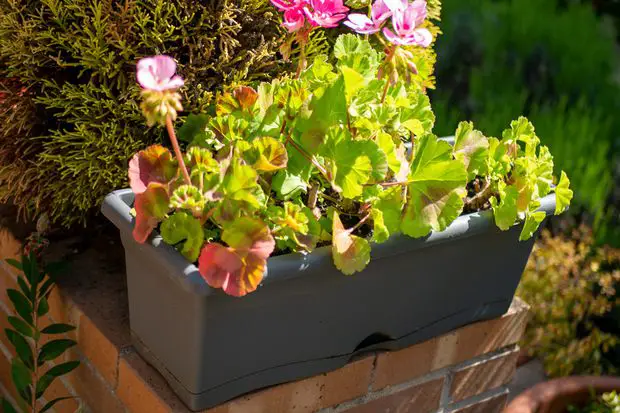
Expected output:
(177, 150)
(388, 59)
(302, 60)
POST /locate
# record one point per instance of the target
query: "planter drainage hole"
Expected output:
(372, 340)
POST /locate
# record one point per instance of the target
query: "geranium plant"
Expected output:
(340, 153)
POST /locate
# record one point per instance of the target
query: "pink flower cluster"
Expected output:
(406, 19)
(319, 13)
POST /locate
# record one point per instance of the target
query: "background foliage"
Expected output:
(68, 110)
(573, 289)
(500, 59)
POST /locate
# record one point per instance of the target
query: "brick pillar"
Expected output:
(464, 371)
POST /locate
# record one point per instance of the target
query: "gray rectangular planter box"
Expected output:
(308, 318)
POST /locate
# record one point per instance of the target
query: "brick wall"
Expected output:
(464, 371)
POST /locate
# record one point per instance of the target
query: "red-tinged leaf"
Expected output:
(154, 164)
(151, 207)
(350, 252)
(246, 96)
(239, 268)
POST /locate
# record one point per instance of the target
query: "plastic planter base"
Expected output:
(307, 317)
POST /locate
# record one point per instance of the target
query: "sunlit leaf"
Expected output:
(358, 54)
(436, 188)
(390, 203)
(471, 148)
(505, 212)
(351, 253)
(271, 154)
(532, 222)
(154, 164)
(151, 207)
(287, 185)
(182, 226)
(240, 184)
(380, 231)
(563, 194)
(246, 96)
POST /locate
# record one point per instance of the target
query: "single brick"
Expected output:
(452, 348)
(308, 395)
(484, 375)
(98, 349)
(494, 404)
(421, 398)
(93, 390)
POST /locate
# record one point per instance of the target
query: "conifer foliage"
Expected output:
(68, 101)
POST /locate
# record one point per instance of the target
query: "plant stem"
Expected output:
(359, 224)
(313, 195)
(177, 150)
(302, 59)
(388, 59)
(309, 157)
(387, 184)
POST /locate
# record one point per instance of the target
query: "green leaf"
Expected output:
(21, 304)
(287, 185)
(195, 129)
(54, 372)
(505, 212)
(532, 222)
(182, 226)
(22, 348)
(563, 194)
(416, 114)
(471, 148)
(8, 407)
(350, 252)
(544, 171)
(53, 349)
(328, 109)
(390, 203)
(14, 263)
(51, 403)
(25, 289)
(436, 188)
(21, 326)
(47, 287)
(353, 82)
(43, 307)
(358, 54)
(21, 376)
(354, 163)
(58, 328)
(380, 231)
(240, 184)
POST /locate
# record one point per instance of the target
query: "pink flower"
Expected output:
(158, 73)
(294, 19)
(325, 13)
(362, 24)
(405, 20)
(286, 5)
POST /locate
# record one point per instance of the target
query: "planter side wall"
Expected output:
(212, 348)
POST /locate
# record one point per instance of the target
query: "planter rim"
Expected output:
(553, 396)
(116, 207)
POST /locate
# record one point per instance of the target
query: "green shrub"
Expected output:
(606, 403)
(499, 59)
(574, 291)
(68, 110)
